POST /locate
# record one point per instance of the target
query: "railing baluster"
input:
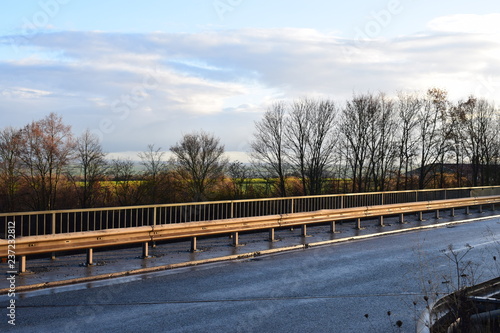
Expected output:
(65, 221)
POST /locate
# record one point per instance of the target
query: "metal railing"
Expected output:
(93, 219)
(480, 304)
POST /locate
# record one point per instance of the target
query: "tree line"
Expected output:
(44, 166)
(372, 142)
(375, 143)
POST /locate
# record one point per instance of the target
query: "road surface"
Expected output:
(349, 287)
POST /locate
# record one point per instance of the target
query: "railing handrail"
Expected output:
(194, 203)
(88, 219)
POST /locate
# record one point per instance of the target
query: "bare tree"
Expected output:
(322, 144)
(47, 147)
(310, 141)
(298, 136)
(10, 144)
(431, 142)
(355, 123)
(199, 161)
(127, 191)
(239, 176)
(408, 107)
(268, 145)
(155, 166)
(477, 121)
(381, 141)
(92, 165)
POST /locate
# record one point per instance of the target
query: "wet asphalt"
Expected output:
(68, 266)
(357, 286)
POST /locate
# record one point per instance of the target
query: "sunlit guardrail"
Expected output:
(94, 219)
(29, 245)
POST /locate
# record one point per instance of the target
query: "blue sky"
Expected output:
(146, 72)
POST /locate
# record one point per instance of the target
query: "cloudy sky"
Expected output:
(147, 72)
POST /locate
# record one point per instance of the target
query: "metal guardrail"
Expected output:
(94, 219)
(30, 245)
(482, 310)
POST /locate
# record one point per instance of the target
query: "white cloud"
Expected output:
(467, 23)
(23, 93)
(152, 88)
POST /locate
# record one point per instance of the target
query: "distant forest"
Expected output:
(371, 142)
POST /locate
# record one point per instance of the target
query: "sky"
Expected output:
(137, 73)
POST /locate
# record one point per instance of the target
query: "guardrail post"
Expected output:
(90, 257)
(358, 221)
(22, 264)
(304, 230)
(480, 208)
(332, 227)
(401, 218)
(381, 221)
(467, 211)
(452, 214)
(235, 238)
(145, 250)
(271, 234)
(437, 214)
(193, 244)
(420, 216)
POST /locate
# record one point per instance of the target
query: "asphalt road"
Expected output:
(347, 287)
